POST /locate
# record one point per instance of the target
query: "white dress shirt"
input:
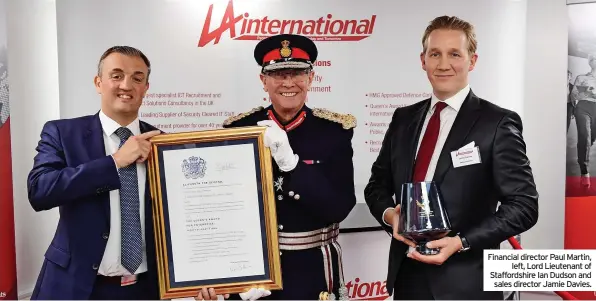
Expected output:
(447, 117)
(111, 262)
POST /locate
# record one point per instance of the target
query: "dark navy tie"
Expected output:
(132, 242)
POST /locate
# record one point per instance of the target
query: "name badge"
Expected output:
(466, 156)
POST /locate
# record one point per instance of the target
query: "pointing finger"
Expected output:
(145, 136)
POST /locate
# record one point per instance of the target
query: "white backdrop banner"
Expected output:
(365, 256)
(203, 69)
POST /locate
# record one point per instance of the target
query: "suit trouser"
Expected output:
(570, 112)
(411, 282)
(585, 118)
(109, 288)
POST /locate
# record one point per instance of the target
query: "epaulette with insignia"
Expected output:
(241, 115)
(348, 121)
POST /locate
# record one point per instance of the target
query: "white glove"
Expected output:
(254, 294)
(276, 139)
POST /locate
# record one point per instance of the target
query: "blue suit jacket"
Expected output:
(72, 172)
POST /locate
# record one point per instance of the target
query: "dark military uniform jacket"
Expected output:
(311, 200)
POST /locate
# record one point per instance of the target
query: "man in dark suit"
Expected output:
(418, 147)
(93, 169)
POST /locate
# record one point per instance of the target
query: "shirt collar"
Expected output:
(292, 124)
(109, 126)
(454, 101)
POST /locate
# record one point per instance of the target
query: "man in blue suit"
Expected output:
(93, 169)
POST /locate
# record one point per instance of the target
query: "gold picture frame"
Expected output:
(271, 278)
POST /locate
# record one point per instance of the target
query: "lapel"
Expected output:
(146, 128)
(415, 127)
(463, 124)
(96, 149)
(149, 212)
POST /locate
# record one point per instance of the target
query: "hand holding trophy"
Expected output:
(423, 217)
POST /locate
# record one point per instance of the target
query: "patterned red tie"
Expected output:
(427, 147)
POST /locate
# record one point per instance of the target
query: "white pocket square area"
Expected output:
(467, 155)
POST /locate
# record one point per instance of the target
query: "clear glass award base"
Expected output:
(424, 250)
(423, 237)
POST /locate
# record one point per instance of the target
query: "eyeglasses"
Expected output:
(295, 75)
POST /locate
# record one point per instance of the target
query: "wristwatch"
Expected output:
(464, 244)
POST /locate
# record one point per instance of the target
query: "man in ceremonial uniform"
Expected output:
(313, 171)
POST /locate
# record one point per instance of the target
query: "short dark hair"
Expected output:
(126, 50)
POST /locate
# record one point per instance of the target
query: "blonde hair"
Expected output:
(452, 23)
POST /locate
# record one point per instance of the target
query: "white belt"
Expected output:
(322, 238)
(308, 240)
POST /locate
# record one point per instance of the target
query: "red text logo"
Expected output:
(464, 152)
(322, 29)
(375, 290)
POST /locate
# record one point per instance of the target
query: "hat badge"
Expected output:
(285, 50)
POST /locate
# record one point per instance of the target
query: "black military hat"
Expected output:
(285, 51)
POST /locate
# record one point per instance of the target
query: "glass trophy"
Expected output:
(423, 217)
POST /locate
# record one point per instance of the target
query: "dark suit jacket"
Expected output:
(471, 193)
(72, 172)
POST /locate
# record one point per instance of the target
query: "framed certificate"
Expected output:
(214, 212)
